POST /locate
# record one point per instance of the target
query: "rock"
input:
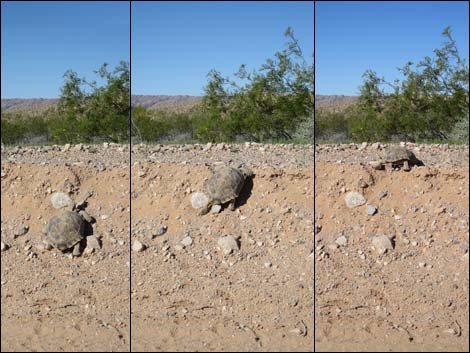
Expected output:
(187, 241)
(61, 200)
(93, 242)
(371, 210)
(382, 243)
(159, 231)
(138, 246)
(22, 230)
(354, 199)
(199, 200)
(141, 173)
(382, 194)
(342, 241)
(4, 246)
(268, 264)
(228, 244)
(216, 208)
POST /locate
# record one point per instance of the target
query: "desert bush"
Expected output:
(426, 105)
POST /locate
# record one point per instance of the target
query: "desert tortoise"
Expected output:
(224, 186)
(396, 156)
(65, 231)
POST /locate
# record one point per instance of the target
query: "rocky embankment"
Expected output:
(391, 250)
(232, 280)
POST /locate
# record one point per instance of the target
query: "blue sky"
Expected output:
(352, 37)
(41, 40)
(175, 44)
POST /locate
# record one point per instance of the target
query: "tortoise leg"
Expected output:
(76, 250)
(406, 166)
(231, 206)
(205, 210)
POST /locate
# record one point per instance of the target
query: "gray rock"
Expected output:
(4, 246)
(382, 244)
(228, 244)
(382, 194)
(354, 199)
(159, 231)
(371, 210)
(216, 208)
(93, 242)
(138, 246)
(187, 241)
(61, 200)
(199, 200)
(22, 230)
(342, 241)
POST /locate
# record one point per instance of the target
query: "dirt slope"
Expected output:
(415, 297)
(51, 302)
(193, 298)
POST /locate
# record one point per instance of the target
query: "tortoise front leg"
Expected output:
(76, 250)
(231, 206)
(206, 209)
(406, 166)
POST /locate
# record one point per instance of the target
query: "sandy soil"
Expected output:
(51, 302)
(259, 298)
(415, 297)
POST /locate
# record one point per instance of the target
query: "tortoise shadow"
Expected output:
(245, 193)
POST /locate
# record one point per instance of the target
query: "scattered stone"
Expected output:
(382, 194)
(342, 241)
(354, 199)
(371, 210)
(268, 264)
(93, 242)
(159, 231)
(187, 241)
(228, 244)
(216, 208)
(22, 230)
(141, 173)
(382, 244)
(4, 246)
(138, 246)
(199, 200)
(61, 200)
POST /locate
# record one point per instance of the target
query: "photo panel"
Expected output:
(391, 176)
(222, 176)
(65, 203)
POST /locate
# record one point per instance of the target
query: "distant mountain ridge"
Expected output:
(164, 102)
(329, 101)
(146, 101)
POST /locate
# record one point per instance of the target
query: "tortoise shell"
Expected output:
(225, 184)
(65, 230)
(398, 154)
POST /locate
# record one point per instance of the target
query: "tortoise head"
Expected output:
(247, 172)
